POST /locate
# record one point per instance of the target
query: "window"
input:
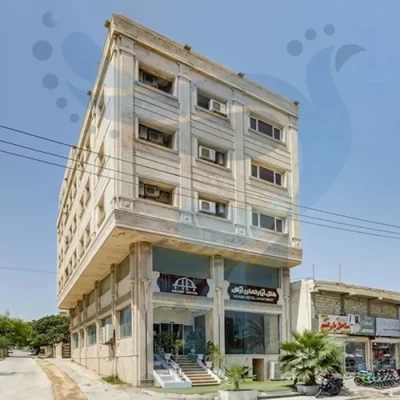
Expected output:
(266, 128)
(81, 246)
(251, 274)
(101, 160)
(87, 235)
(123, 269)
(86, 194)
(125, 322)
(101, 214)
(209, 207)
(267, 222)
(155, 193)
(155, 81)
(267, 174)
(82, 338)
(106, 321)
(75, 340)
(212, 155)
(208, 103)
(87, 148)
(155, 136)
(92, 335)
(248, 333)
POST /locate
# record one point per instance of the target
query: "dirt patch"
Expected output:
(64, 387)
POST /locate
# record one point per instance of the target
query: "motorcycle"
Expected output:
(330, 384)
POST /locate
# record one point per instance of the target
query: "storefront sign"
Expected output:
(362, 325)
(182, 285)
(252, 293)
(334, 324)
(387, 327)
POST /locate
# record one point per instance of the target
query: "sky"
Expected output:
(339, 59)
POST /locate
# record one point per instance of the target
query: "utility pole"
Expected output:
(313, 272)
(340, 273)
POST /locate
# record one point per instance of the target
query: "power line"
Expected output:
(191, 197)
(36, 271)
(292, 219)
(138, 156)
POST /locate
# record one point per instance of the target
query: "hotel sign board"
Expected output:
(182, 285)
(253, 293)
(334, 324)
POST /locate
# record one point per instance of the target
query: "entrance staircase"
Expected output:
(198, 375)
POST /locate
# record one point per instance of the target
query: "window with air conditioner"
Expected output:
(155, 81)
(155, 136)
(266, 128)
(267, 222)
(267, 174)
(211, 207)
(212, 155)
(155, 193)
(211, 104)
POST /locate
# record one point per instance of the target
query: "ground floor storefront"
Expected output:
(160, 301)
(370, 343)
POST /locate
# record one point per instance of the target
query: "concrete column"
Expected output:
(113, 316)
(293, 183)
(185, 143)
(125, 120)
(142, 332)
(98, 322)
(84, 318)
(286, 315)
(239, 165)
(218, 313)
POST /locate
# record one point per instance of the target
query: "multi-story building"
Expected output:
(366, 319)
(174, 211)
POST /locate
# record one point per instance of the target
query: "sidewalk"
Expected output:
(94, 388)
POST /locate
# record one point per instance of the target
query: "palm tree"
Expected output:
(236, 374)
(311, 354)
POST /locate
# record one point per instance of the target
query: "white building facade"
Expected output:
(174, 211)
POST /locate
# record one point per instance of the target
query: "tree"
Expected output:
(14, 331)
(311, 354)
(50, 330)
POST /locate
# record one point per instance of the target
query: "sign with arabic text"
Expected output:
(334, 324)
(182, 285)
(252, 293)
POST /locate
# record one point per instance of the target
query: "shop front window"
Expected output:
(355, 357)
(248, 333)
(384, 355)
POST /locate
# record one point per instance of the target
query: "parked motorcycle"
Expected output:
(330, 384)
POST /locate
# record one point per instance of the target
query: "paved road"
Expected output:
(21, 379)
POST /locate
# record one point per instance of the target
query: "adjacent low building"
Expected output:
(366, 319)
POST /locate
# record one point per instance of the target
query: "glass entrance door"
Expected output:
(179, 332)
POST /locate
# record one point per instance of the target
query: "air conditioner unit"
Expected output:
(107, 332)
(156, 137)
(275, 371)
(148, 79)
(151, 191)
(206, 153)
(206, 206)
(217, 107)
(143, 132)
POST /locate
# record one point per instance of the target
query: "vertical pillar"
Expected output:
(185, 96)
(98, 323)
(239, 165)
(218, 319)
(85, 338)
(293, 184)
(125, 120)
(142, 332)
(113, 317)
(286, 315)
